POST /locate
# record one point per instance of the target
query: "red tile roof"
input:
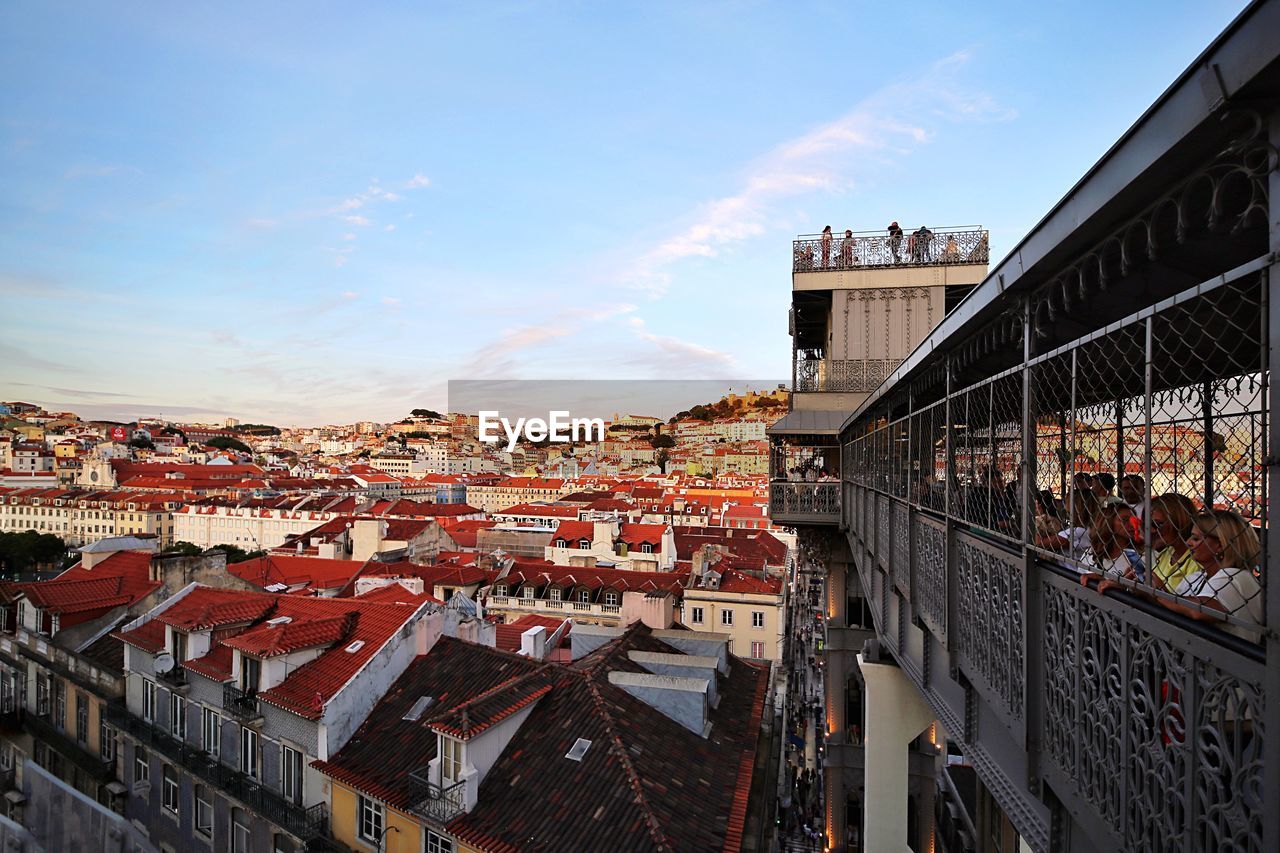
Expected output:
(314, 572)
(268, 639)
(148, 636)
(469, 719)
(635, 533)
(215, 665)
(204, 608)
(573, 531)
(508, 635)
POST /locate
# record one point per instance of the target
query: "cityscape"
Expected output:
(366, 525)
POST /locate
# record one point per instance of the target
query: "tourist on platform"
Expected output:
(1134, 491)
(920, 250)
(1111, 553)
(826, 247)
(847, 258)
(951, 254)
(1104, 485)
(1074, 539)
(1229, 552)
(895, 239)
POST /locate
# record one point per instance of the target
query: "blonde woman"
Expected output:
(1172, 522)
(1228, 550)
(1110, 552)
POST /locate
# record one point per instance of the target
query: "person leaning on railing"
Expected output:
(1228, 553)
(1111, 553)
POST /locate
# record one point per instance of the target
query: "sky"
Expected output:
(308, 213)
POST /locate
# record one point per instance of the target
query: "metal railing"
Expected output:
(878, 249)
(438, 804)
(804, 500)
(304, 822)
(240, 703)
(841, 375)
(1023, 500)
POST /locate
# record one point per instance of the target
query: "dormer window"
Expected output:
(451, 760)
(620, 549)
(557, 593)
(611, 598)
(560, 543)
(646, 548)
(526, 592)
(584, 596)
(584, 544)
(500, 589)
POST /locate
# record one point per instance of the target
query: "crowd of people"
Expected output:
(920, 248)
(1207, 560)
(801, 809)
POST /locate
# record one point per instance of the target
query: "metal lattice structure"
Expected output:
(910, 247)
(1014, 494)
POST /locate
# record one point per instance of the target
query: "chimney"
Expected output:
(533, 643)
(681, 698)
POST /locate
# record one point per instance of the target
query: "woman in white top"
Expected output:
(1110, 545)
(1228, 550)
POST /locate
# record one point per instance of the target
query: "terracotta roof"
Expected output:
(290, 570)
(269, 640)
(645, 782)
(204, 608)
(573, 531)
(634, 533)
(215, 665)
(149, 636)
(76, 596)
(471, 718)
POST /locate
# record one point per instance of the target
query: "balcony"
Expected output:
(306, 823)
(878, 250)
(242, 704)
(559, 609)
(434, 803)
(804, 503)
(845, 376)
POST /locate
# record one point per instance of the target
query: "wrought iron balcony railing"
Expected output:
(842, 375)
(240, 703)
(433, 802)
(879, 249)
(804, 501)
(304, 822)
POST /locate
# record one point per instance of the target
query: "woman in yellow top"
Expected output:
(1172, 522)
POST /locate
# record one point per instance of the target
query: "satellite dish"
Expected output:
(164, 663)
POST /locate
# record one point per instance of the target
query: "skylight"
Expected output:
(579, 749)
(415, 713)
(279, 620)
(356, 646)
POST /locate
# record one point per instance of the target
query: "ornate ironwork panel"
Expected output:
(902, 547)
(929, 541)
(1164, 745)
(943, 247)
(882, 530)
(989, 588)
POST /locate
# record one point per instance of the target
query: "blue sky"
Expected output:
(317, 212)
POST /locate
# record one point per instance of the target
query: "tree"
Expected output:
(226, 442)
(236, 554)
(141, 442)
(20, 552)
(186, 549)
(173, 431)
(662, 441)
(663, 458)
(426, 413)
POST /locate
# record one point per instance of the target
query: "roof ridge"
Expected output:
(652, 824)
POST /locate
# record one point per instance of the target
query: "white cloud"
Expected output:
(418, 181)
(350, 294)
(389, 228)
(348, 236)
(832, 158)
(358, 220)
(390, 301)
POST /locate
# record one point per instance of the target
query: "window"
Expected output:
(239, 831)
(438, 843)
(560, 543)
(584, 596)
(141, 770)
(82, 717)
(204, 812)
(170, 793)
(526, 592)
(451, 760)
(249, 752)
(584, 544)
(757, 618)
(179, 646)
(757, 649)
(42, 695)
(726, 617)
(500, 589)
(60, 704)
(291, 774)
(211, 732)
(369, 814)
(646, 548)
(178, 715)
(611, 599)
(696, 616)
(250, 670)
(557, 594)
(148, 700)
(106, 740)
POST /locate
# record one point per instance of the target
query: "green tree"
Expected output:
(226, 442)
(662, 441)
(141, 442)
(186, 549)
(663, 458)
(236, 554)
(426, 413)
